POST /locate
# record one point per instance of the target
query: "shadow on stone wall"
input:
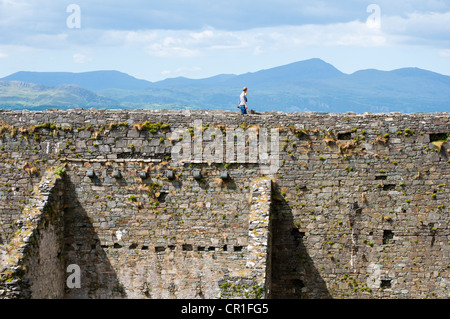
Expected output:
(2, 252)
(294, 275)
(83, 248)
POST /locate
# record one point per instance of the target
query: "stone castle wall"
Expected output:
(359, 207)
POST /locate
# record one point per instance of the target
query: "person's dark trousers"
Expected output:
(243, 109)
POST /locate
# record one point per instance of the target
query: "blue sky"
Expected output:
(154, 40)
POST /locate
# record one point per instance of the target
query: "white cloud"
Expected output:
(185, 71)
(188, 44)
(164, 50)
(353, 33)
(3, 55)
(427, 29)
(181, 71)
(444, 53)
(257, 51)
(125, 37)
(14, 12)
(81, 58)
(420, 28)
(325, 23)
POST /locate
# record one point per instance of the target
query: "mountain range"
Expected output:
(310, 85)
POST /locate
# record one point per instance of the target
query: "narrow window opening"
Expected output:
(345, 136)
(385, 283)
(160, 249)
(388, 187)
(298, 286)
(388, 236)
(162, 197)
(438, 137)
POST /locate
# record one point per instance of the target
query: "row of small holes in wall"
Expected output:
(433, 136)
(144, 175)
(160, 249)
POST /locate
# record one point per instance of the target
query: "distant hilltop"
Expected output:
(310, 85)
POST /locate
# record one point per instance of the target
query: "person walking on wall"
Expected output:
(243, 101)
